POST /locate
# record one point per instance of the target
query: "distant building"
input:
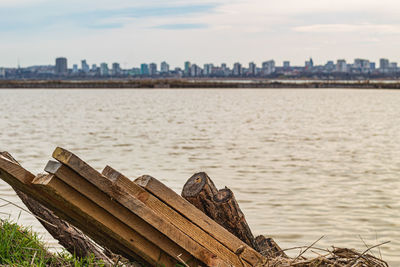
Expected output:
(2, 72)
(329, 66)
(237, 69)
(153, 69)
(144, 69)
(393, 67)
(104, 69)
(309, 65)
(164, 67)
(372, 66)
(268, 67)
(116, 69)
(208, 69)
(252, 69)
(286, 65)
(84, 66)
(187, 68)
(195, 71)
(361, 65)
(384, 65)
(341, 65)
(61, 65)
(75, 69)
(94, 67)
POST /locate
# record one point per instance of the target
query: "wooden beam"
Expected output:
(173, 217)
(20, 179)
(103, 220)
(197, 217)
(137, 207)
(159, 241)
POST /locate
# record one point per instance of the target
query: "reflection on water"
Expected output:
(302, 163)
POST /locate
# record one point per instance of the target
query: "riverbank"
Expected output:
(20, 246)
(194, 83)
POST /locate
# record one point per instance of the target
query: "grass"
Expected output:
(20, 246)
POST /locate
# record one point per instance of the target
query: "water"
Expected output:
(302, 163)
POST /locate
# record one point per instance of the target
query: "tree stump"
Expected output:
(222, 207)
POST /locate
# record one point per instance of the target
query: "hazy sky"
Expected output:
(201, 31)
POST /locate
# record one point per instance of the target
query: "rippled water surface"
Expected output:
(302, 163)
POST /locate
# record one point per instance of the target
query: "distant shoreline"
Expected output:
(194, 83)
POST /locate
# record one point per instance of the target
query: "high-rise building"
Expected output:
(116, 69)
(341, 65)
(104, 69)
(84, 66)
(153, 69)
(361, 65)
(309, 65)
(286, 65)
(2, 72)
(164, 67)
(252, 69)
(208, 69)
(144, 69)
(75, 69)
(268, 67)
(195, 71)
(94, 67)
(237, 69)
(384, 65)
(187, 68)
(61, 65)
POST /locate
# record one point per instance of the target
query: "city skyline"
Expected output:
(33, 31)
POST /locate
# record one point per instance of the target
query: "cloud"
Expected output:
(349, 28)
(187, 26)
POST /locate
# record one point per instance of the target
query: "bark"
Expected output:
(71, 238)
(269, 248)
(221, 206)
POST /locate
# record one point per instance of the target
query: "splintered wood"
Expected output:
(143, 220)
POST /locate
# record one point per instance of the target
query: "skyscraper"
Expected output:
(84, 66)
(103, 69)
(153, 69)
(61, 65)
(144, 69)
(187, 68)
(252, 69)
(164, 68)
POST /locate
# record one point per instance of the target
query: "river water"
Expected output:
(302, 163)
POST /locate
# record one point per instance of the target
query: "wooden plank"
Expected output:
(19, 178)
(173, 217)
(104, 220)
(197, 217)
(88, 190)
(137, 207)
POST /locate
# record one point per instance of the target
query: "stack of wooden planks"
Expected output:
(142, 220)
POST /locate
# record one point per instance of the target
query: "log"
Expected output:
(182, 206)
(68, 236)
(175, 218)
(137, 207)
(221, 206)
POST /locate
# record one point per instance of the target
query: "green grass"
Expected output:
(19, 246)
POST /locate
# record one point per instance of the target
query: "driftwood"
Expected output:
(71, 238)
(222, 207)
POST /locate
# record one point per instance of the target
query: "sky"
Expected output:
(131, 32)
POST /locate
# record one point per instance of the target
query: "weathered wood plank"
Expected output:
(88, 190)
(173, 217)
(197, 217)
(103, 220)
(137, 207)
(69, 237)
